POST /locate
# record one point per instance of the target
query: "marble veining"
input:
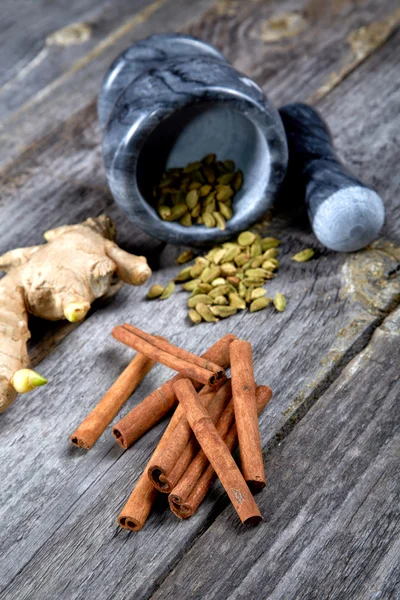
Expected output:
(179, 100)
(345, 214)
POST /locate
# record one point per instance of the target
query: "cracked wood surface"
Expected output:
(62, 540)
(331, 505)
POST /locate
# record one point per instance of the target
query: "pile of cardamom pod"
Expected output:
(229, 278)
(200, 193)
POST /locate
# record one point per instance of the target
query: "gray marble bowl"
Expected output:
(171, 99)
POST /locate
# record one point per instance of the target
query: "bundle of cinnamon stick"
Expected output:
(213, 414)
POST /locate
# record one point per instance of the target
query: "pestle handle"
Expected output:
(345, 214)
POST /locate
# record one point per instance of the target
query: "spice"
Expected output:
(200, 475)
(157, 404)
(230, 277)
(180, 360)
(159, 471)
(244, 401)
(97, 420)
(155, 291)
(217, 453)
(199, 193)
(304, 255)
(280, 302)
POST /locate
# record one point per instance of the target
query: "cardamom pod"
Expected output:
(269, 242)
(192, 199)
(232, 252)
(226, 178)
(184, 275)
(155, 291)
(219, 220)
(189, 286)
(259, 304)
(256, 249)
(228, 269)
(186, 220)
(256, 262)
(203, 298)
(268, 265)
(168, 291)
(280, 302)
(246, 238)
(258, 293)
(236, 301)
(238, 180)
(177, 212)
(205, 287)
(194, 316)
(218, 256)
(223, 311)
(197, 270)
(218, 281)
(209, 274)
(220, 300)
(192, 167)
(241, 259)
(234, 281)
(221, 290)
(185, 257)
(206, 313)
(208, 220)
(271, 253)
(253, 281)
(224, 192)
(164, 212)
(304, 255)
(257, 273)
(242, 290)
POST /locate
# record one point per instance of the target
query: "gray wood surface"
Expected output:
(58, 504)
(331, 505)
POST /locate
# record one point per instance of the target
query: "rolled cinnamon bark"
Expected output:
(217, 453)
(169, 462)
(184, 367)
(191, 489)
(244, 402)
(166, 346)
(97, 420)
(137, 509)
(157, 404)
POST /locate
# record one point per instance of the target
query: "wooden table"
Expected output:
(330, 434)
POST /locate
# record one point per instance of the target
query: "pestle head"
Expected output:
(349, 219)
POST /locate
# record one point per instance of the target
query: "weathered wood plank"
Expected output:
(59, 34)
(331, 505)
(77, 87)
(67, 508)
(288, 67)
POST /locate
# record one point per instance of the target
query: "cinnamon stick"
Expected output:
(104, 412)
(217, 453)
(165, 345)
(187, 495)
(137, 509)
(169, 462)
(244, 401)
(138, 506)
(157, 404)
(184, 367)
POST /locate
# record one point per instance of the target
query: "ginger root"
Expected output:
(56, 280)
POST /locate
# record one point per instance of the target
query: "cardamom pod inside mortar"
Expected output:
(200, 193)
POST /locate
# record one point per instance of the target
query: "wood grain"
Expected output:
(331, 506)
(57, 504)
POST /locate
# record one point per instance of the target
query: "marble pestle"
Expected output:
(345, 214)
